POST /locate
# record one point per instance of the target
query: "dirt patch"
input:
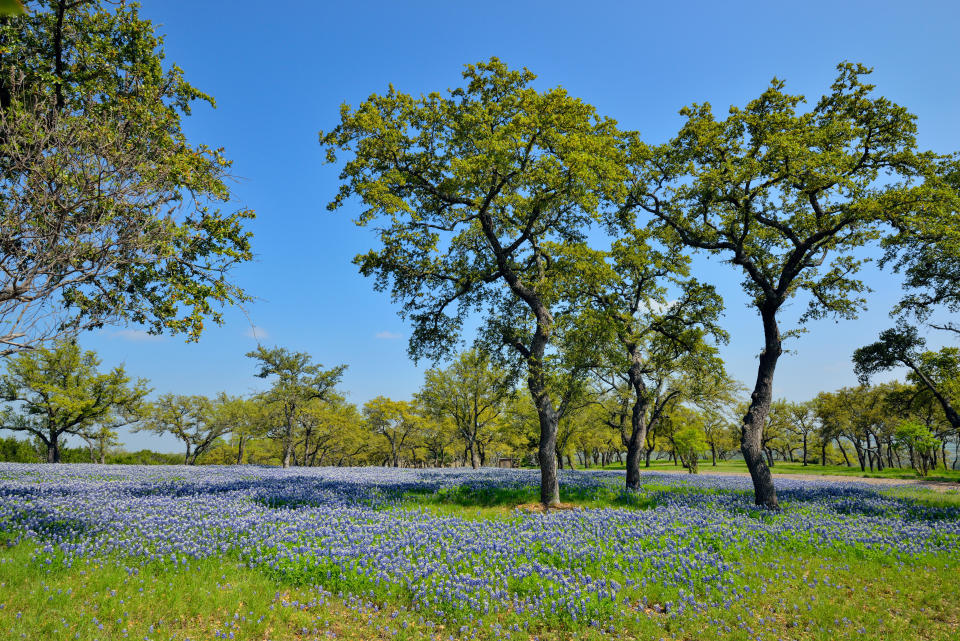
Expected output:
(937, 486)
(540, 508)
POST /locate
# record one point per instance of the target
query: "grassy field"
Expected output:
(937, 475)
(459, 555)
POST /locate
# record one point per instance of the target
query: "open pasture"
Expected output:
(162, 553)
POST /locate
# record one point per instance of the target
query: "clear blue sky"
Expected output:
(280, 70)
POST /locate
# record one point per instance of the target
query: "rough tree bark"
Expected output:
(752, 430)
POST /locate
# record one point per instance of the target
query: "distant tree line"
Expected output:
(468, 413)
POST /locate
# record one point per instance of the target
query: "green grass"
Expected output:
(781, 467)
(923, 496)
(489, 502)
(53, 603)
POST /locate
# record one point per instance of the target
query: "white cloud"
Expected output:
(137, 335)
(388, 335)
(256, 332)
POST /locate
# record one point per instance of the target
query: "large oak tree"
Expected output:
(108, 214)
(788, 196)
(471, 193)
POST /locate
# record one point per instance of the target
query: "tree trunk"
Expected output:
(752, 430)
(474, 456)
(546, 451)
(288, 440)
(240, 450)
(638, 419)
(638, 436)
(53, 448)
(843, 451)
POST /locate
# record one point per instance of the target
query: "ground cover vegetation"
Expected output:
(107, 552)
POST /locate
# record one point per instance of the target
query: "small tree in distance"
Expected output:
(297, 382)
(472, 393)
(921, 444)
(59, 390)
(188, 418)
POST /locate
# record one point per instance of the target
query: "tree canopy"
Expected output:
(297, 381)
(60, 390)
(108, 214)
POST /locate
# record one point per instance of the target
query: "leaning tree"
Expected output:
(472, 192)
(788, 196)
(936, 372)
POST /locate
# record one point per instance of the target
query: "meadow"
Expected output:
(192, 553)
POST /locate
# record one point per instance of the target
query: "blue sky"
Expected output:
(280, 70)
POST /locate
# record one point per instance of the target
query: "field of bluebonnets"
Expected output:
(101, 552)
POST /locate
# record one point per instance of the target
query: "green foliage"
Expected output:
(60, 390)
(296, 382)
(395, 421)
(477, 191)
(937, 373)
(471, 394)
(15, 450)
(925, 248)
(921, 442)
(12, 8)
(191, 419)
(778, 191)
(114, 215)
(690, 442)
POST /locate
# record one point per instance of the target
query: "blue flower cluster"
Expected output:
(349, 531)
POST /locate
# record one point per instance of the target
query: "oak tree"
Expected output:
(108, 214)
(472, 393)
(189, 418)
(297, 381)
(788, 196)
(471, 193)
(58, 390)
(661, 346)
(936, 372)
